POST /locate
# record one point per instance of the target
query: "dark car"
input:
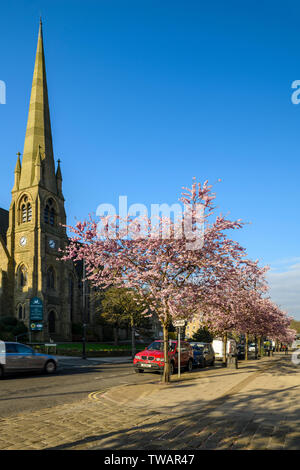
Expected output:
(17, 357)
(240, 351)
(203, 354)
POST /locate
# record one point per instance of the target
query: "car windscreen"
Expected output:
(159, 346)
(156, 346)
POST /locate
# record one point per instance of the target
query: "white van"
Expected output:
(217, 345)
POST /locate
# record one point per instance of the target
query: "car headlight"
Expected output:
(137, 357)
(158, 359)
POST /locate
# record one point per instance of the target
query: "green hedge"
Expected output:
(92, 349)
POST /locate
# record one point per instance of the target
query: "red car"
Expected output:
(152, 358)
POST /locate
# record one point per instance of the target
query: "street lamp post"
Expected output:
(133, 345)
(19, 336)
(179, 324)
(179, 351)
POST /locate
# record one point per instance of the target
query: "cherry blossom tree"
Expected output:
(174, 271)
(239, 305)
(228, 305)
(169, 273)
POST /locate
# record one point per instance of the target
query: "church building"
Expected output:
(32, 231)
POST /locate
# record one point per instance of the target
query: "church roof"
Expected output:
(4, 220)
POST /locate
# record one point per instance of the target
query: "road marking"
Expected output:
(96, 395)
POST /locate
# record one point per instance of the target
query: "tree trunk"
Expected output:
(224, 349)
(259, 346)
(246, 347)
(116, 338)
(133, 347)
(166, 372)
(256, 352)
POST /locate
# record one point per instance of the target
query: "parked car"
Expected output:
(240, 351)
(217, 345)
(203, 354)
(296, 344)
(152, 358)
(18, 357)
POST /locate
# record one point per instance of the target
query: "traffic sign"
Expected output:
(179, 323)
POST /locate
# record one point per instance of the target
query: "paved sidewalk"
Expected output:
(254, 407)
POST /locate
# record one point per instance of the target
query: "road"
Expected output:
(71, 383)
(31, 392)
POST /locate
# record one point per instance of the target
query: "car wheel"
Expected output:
(172, 368)
(213, 362)
(1, 372)
(204, 363)
(190, 366)
(50, 367)
(138, 371)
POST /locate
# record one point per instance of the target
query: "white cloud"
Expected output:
(284, 282)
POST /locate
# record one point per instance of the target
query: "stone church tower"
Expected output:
(31, 233)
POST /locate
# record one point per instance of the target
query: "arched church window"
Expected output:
(52, 216)
(50, 278)
(49, 212)
(51, 322)
(46, 214)
(29, 212)
(22, 276)
(26, 210)
(20, 312)
(24, 214)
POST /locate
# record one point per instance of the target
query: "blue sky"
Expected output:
(144, 95)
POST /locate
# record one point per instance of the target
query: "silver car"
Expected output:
(18, 357)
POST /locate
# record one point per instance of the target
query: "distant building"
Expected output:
(192, 327)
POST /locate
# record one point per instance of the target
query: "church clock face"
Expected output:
(52, 244)
(23, 241)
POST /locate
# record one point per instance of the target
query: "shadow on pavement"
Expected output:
(257, 418)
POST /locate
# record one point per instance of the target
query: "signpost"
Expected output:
(36, 314)
(178, 324)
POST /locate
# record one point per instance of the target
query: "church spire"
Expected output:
(38, 134)
(17, 173)
(59, 179)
